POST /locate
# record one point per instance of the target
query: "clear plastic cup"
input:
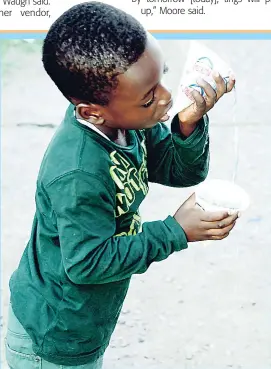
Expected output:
(218, 194)
(221, 195)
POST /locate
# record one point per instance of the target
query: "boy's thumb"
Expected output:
(191, 201)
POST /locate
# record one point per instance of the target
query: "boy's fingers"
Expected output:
(223, 85)
(209, 91)
(220, 233)
(221, 223)
(231, 83)
(213, 216)
(196, 110)
(217, 238)
(198, 100)
(220, 84)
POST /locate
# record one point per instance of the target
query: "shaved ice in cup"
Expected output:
(221, 195)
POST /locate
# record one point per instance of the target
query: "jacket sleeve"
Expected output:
(84, 208)
(176, 161)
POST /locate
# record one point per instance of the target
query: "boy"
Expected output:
(85, 245)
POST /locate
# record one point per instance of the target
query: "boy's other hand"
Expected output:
(200, 225)
(193, 113)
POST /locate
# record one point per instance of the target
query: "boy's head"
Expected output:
(107, 65)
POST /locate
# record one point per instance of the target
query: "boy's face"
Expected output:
(140, 100)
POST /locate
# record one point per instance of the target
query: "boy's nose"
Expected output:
(166, 96)
(166, 93)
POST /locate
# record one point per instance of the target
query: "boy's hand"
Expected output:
(193, 113)
(200, 225)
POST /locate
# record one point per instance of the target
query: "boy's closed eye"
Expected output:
(151, 101)
(153, 98)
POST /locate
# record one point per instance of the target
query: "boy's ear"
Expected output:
(90, 113)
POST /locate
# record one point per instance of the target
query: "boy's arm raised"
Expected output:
(181, 159)
(175, 160)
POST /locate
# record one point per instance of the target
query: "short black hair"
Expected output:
(88, 46)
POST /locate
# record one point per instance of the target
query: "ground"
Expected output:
(207, 306)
